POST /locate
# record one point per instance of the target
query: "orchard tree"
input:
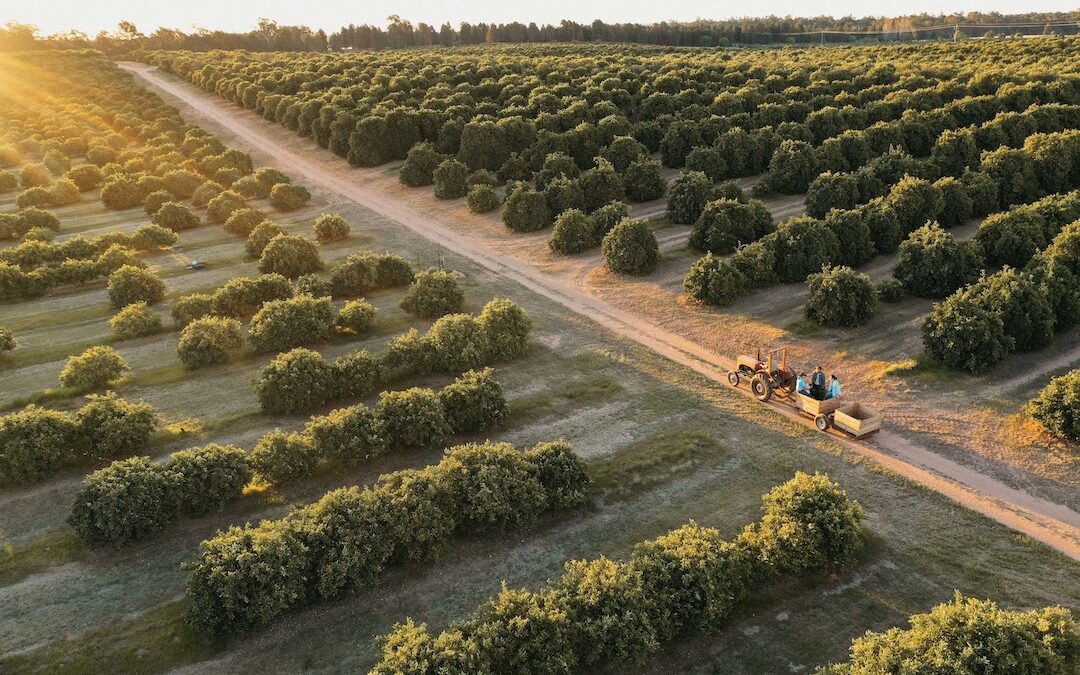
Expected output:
(607, 217)
(601, 185)
(93, 369)
(289, 197)
(483, 199)
(1058, 405)
(283, 324)
(331, 227)
(130, 284)
(916, 202)
(356, 317)
(175, 216)
(209, 341)
(623, 151)
(420, 164)
(450, 179)
(260, 237)
(1022, 304)
(644, 180)
(631, 248)
(574, 232)
(792, 167)
(135, 320)
(725, 224)
(713, 280)
(433, 293)
(290, 256)
(932, 264)
(7, 340)
(840, 297)
(964, 636)
(851, 230)
(962, 334)
(243, 221)
(526, 211)
(687, 197)
(802, 246)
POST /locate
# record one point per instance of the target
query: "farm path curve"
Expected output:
(1051, 523)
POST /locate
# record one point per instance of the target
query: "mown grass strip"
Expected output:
(53, 549)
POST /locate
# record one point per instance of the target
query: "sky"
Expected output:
(91, 16)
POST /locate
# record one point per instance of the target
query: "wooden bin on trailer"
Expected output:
(858, 419)
(813, 407)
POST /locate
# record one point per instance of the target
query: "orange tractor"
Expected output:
(767, 375)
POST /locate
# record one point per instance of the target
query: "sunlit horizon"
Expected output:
(94, 16)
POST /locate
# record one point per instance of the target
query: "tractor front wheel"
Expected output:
(733, 378)
(821, 422)
(762, 389)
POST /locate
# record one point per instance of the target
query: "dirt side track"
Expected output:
(1051, 523)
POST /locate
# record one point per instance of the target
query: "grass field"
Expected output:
(663, 444)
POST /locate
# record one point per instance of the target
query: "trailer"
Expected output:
(856, 419)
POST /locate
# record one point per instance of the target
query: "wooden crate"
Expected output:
(858, 419)
(813, 407)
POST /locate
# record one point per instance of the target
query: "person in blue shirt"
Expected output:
(834, 387)
(800, 385)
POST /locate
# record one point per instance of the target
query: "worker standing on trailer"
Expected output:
(834, 387)
(817, 384)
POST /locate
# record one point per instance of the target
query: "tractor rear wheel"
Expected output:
(762, 389)
(821, 422)
(733, 378)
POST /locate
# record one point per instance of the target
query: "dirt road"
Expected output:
(1053, 524)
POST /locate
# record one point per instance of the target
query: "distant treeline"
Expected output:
(398, 33)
